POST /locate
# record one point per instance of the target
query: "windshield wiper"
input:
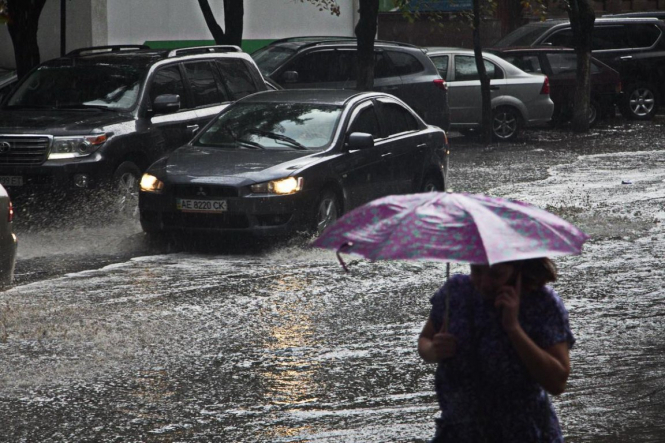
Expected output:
(83, 106)
(279, 137)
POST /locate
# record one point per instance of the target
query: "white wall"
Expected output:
(112, 22)
(135, 21)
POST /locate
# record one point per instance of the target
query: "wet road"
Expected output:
(107, 338)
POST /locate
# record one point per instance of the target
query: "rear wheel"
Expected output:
(640, 102)
(506, 123)
(125, 190)
(326, 211)
(594, 113)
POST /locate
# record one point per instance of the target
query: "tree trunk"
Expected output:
(582, 18)
(365, 32)
(486, 116)
(23, 25)
(233, 20)
(510, 15)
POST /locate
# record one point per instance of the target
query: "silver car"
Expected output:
(7, 239)
(519, 99)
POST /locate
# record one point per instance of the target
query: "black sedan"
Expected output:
(279, 162)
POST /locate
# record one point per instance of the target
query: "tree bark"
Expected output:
(582, 18)
(233, 20)
(23, 25)
(486, 115)
(366, 32)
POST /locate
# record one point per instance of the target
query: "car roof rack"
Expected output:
(101, 49)
(204, 50)
(313, 40)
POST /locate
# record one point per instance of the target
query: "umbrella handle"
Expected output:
(339, 257)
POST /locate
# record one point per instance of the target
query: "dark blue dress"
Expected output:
(485, 392)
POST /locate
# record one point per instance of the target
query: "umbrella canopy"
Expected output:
(451, 227)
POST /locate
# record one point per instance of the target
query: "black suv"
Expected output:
(635, 47)
(98, 117)
(400, 69)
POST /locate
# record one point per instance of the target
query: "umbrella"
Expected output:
(451, 227)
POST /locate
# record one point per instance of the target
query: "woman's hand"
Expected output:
(434, 346)
(444, 345)
(508, 302)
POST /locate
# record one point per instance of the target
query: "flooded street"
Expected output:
(108, 338)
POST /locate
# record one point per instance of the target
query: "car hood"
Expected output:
(192, 164)
(57, 122)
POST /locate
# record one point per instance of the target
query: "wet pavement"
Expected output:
(109, 338)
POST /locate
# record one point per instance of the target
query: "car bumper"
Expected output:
(55, 175)
(539, 113)
(276, 215)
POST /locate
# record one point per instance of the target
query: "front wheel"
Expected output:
(326, 211)
(125, 190)
(506, 123)
(640, 102)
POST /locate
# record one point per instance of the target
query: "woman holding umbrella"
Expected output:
(500, 337)
(506, 347)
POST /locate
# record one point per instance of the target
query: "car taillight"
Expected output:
(10, 212)
(546, 86)
(619, 88)
(441, 84)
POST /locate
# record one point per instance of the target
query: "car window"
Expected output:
(610, 37)
(168, 81)
(563, 37)
(527, 63)
(313, 67)
(562, 63)
(367, 122)
(345, 67)
(441, 63)
(382, 66)
(236, 77)
(270, 58)
(465, 69)
(396, 119)
(404, 63)
(522, 36)
(642, 36)
(203, 85)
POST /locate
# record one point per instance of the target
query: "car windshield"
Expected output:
(523, 36)
(270, 58)
(76, 86)
(273, 126)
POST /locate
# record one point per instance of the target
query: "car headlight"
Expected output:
(289, 185)
(150, 183)
(73, 147)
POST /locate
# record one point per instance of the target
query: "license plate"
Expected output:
(11, 180)
(189, 205)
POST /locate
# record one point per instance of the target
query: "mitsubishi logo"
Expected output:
(5, 147)
(201, 191)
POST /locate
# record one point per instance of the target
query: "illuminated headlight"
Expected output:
(150, 183)
(289, 185)
(73, 147)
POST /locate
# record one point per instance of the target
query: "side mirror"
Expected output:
(359, 140)
(166, 104)
(290, 77)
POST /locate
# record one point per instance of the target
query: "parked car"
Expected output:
(7, 238)
(560, 66)
(279, 162)
(635, 47)
(98, 117)
(519, 99)
(7, 81)
(331, 62)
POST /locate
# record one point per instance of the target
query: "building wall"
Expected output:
(172, 23)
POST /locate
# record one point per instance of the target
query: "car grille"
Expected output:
(205, 221)
(30, 150)
(197, 191)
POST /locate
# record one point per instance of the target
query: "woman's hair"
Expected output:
(536, 272)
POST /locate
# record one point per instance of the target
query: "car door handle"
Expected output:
(387, 154)
(626, 57)
(494, 88)
(191, 129)
(422, 145)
